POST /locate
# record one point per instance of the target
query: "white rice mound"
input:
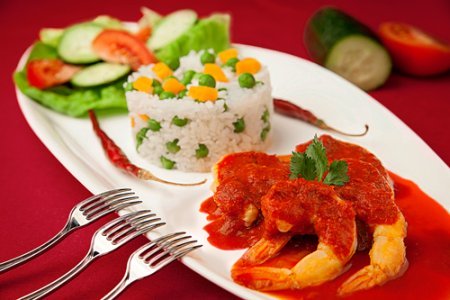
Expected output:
(210, 123)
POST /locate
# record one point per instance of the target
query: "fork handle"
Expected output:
(120, 287)
(38, 294)
(14, 262)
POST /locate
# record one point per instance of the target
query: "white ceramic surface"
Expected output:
(344, 106)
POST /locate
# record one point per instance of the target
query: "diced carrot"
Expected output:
(216, 72)
(248, 65)
(225, 55)
(132, 122)
(203, 93)
(144, 118)
(162, 70)
(143, 84)
(173, 85)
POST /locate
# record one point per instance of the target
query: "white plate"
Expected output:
(341, 104)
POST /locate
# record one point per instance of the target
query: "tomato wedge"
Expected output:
(144, 33)
(45, 73)
(122, 47)
(414, 51)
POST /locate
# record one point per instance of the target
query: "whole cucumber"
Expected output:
(346, 46)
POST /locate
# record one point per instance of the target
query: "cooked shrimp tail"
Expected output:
(315, 268)
(387, 259)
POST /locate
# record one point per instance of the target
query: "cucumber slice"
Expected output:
(76, 43)
(348, 48)
(51, 36)
(98, 74)
(360, 60)
(171, 27)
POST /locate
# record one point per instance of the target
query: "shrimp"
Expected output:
(300, 207)
(373, 200)
(303, 207)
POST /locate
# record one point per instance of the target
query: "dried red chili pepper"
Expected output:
(292, 110)
(121, 161)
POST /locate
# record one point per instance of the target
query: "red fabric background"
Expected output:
(37, 193)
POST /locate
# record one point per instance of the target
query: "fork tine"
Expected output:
(107, 206)
(126, 222)
(163, 245)
(110, 225)
(169, 250)
(104, 194)
(138, 232)
(124, 218)
(170, 257)
(105, 199)
(155, 242)
(129, 227)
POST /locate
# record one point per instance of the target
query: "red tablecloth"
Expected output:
(37, 193)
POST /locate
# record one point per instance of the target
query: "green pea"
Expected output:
(167, 163)
(179, 122)
(173, 63)
(153, 125)
(207, 58)
(140, 136)
(158, 90)
(182, 94)
(232, 63)
(128, 87)
(246, 80)
(156, 83)
(265, 116)
(172, 146)
(239, 125)
(201, 151)
(166, 95)
(207, 80)
(187, 77)
(264, 133)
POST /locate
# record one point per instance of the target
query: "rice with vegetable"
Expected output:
(210, 105)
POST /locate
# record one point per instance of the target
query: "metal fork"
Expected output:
(82, 214)
(108, 238)
(152, 257)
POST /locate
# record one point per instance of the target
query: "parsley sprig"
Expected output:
(313, 164)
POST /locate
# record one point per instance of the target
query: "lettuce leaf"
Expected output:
(68, 100)
(75, 102)
(208, 33)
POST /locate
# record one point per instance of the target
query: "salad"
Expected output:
(85, 65)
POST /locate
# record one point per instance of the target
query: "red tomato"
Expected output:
(414, 51)
(45, 73)
(122, 47)
(144, 33)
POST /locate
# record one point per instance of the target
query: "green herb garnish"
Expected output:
(313, 164)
